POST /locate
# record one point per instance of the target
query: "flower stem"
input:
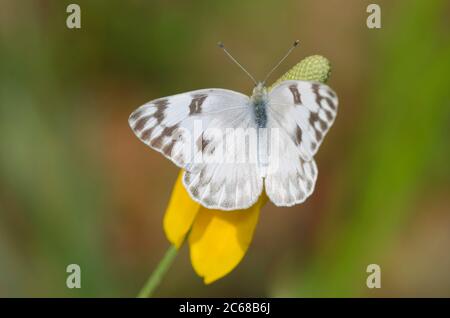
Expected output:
(157, 275)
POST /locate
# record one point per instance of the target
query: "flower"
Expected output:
(218, 240)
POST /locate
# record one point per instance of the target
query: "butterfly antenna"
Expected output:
(281, 61)
(222, 46)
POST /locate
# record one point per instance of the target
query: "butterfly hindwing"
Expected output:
(229, 177)
(224, 186)
(290, 179)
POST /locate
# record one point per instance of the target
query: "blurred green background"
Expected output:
(76, 186)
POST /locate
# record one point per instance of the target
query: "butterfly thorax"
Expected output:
(259, 101)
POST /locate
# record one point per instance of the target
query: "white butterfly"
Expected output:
(301, 112)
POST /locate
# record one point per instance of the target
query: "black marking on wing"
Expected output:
(298, 136)
(168, 137)
(203, 142)
(314, 116)
(319, 97)
(295, 94)
(196, 104)
(140, 122)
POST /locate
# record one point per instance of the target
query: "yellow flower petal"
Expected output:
(180, 213)
(219, 239)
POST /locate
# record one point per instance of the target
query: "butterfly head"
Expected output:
(259, 92)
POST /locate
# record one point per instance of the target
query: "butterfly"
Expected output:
(280, 132)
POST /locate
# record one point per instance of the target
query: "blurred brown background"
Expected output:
(76, 186)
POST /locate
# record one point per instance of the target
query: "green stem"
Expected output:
(157, 275)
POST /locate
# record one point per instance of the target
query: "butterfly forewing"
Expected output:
(305, 110)
(174, 124)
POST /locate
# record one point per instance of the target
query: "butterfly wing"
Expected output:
(289, 178)
(167, 124)
(228, 177)
(302, 112)
(190, 129)
(305, 110)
